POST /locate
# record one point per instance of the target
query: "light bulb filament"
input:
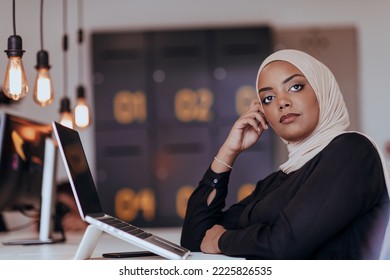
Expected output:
(15, 82)
(15, 77)
(43, 91)
(82, 115)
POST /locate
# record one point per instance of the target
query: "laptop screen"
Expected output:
(78, 169)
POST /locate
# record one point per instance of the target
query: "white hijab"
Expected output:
(333, 118)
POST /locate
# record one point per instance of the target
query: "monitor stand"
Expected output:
(2, 224)
(48, 194)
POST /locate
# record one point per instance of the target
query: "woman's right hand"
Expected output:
(247, 129)
(243, 135)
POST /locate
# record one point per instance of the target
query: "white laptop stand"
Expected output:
(88, 243)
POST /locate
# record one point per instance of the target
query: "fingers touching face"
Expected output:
(255, 111)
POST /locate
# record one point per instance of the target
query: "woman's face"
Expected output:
(288, 101)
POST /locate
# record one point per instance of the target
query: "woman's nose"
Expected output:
(284, 103)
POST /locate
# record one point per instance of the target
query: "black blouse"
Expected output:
(334, 207)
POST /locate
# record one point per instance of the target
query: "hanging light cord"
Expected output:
(65, 48)
(13, 16)
(41, 24)
(80, 39)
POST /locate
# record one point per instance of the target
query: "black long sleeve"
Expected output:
(199, 215)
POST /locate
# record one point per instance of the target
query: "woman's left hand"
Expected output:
(209, 243)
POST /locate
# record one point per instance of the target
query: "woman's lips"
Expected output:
(289, 118)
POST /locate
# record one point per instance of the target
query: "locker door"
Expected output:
(120, 65)
(183, 155)
(238, 54)
(124, 176)
(181, 77)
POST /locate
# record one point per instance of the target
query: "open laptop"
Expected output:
(90, 208)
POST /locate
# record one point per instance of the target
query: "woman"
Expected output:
(328, 201)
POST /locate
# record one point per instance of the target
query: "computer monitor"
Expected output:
(27, 166)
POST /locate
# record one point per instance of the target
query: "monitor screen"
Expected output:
(22, 150)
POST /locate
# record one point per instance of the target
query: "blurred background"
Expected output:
(165, 79)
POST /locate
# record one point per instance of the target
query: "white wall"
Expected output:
(370, 17)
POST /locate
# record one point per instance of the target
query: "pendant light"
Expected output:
(66, 118)
(82, 111)
(15, 84)
(43, 93)
(66, 113)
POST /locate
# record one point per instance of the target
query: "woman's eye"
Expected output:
(296, 87)
(268, 99)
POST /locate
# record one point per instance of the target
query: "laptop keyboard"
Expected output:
(126, 227)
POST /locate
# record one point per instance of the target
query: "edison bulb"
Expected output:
(15, 82)
(66, 119)
(82, 114)
(43, 93)
(82, 111)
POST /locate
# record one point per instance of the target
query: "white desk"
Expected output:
(67, 250)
